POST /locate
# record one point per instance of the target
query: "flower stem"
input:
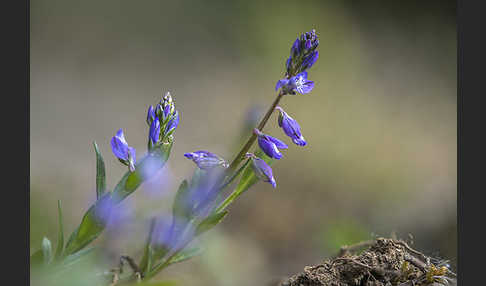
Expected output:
(241, 156)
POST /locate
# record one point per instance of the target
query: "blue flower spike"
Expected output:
(122, 151)
(270, 145)
(290, 127)
(206, 160)
(262, 170)
(303, 53)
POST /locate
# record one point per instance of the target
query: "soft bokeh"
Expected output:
(380, 123)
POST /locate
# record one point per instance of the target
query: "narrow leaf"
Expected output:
(147, 253)
(91, 227)
(76, 257)
(144, 170)
(46, 250)
(181, 208)
(186, 254)
(210, 222)
(100, 173)
(60, 237)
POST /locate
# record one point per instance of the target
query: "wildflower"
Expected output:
(150, 115)
(122, 151)
(262, 169)
(206, 160)
(290, 127)
(303, 53)
(270, 145)
(154, 131)
(297, 83)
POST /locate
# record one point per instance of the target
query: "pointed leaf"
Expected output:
(181, 208)
(186, 254)
(100, 173)
(91, 227)
(60, 237)
(46, 250)
(76, 257)
(144, 170)
(210, 222)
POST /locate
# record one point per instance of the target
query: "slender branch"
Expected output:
(241, 156)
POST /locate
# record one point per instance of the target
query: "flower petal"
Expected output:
(281, 83)
(306, 87)
(269, 147)
(279, 144)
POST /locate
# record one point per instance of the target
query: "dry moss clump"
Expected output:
(387, 262)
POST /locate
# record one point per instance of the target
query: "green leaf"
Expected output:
(146, 261)
(186, 254)
(181, 208)
(46, 250)
(144, 170)
(76, 257)
(210, 222)
(100, 173)
(91, 226)
(60, 237)
(248, 179)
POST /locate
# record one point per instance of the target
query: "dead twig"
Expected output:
(346, 249)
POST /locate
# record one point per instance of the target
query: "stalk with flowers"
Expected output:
(200, 203)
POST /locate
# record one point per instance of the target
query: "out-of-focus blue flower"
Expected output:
(298, 83)
(290, 127)
(150, 115)
(154, 131)
(206, 160)
(262, 169)
(122, 151)
(270, 145)
(303, 53)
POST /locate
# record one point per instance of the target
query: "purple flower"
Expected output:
(150, 115)
(122, 151)
(262, 170)
(154, 131)
(303, 53)
(206, 160)
(270, 145)
(173, 123)
(297, 83)
(290, 127)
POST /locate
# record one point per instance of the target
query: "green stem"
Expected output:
(241, 156)
(237, 173)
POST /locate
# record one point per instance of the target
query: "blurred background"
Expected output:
(380, 123)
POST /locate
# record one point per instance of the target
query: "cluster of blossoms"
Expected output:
(163, 120)
(303, 55)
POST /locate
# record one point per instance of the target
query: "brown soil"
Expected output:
(386, 262)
